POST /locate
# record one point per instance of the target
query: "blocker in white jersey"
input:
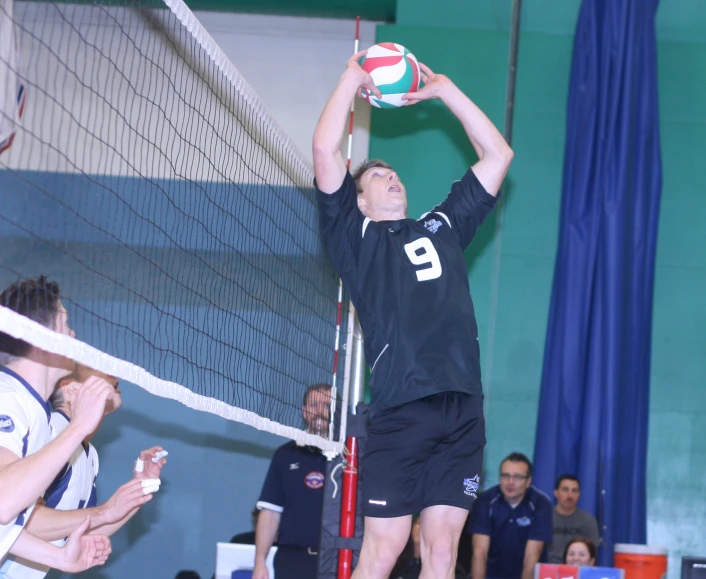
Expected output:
(74, 488)
(24, 429)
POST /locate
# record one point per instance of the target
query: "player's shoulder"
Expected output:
(9, 383)
(434, 220)
(16, 391)
(14, 396)
(346, 187)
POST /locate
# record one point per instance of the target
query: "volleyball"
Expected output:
(395, 72)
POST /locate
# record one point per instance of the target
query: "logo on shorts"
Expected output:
(6, 423)
(470, 485)
(314, 480)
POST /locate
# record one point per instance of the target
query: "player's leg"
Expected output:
(451, 481)
(440, 530)
(383, 541)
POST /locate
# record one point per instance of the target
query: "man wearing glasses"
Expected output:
(510, 524)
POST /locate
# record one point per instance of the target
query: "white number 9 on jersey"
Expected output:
(421, 252)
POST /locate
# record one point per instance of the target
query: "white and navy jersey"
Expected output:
(73, 488)
(24, 430)
(409, 283)
(294, 486)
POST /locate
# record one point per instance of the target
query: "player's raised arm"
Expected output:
(329, 166)
(494, 154)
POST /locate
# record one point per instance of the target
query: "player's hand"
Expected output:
(260, 571)
(364, 79)
(89, 407)
(83, 551)
(116, 402)
(150, 469)
(434, 85)
(129, 496)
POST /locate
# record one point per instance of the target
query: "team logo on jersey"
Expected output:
(433, 225)
(470, 485)
(524, 521)
(6, 423)
(314, 480)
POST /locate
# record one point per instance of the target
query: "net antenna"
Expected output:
(149, 179)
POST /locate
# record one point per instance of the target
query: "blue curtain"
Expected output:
(594, 400)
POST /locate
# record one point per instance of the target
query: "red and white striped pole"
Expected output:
(349, 493)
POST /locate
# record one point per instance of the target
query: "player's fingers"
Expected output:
(373, 89)
(105, 392)
(101, 556)
(425, 69)
(358, 55)
(96, 388)
(137, 501)
(102, 544)
(138, 493)
(134, 496)
(133, 486)
(150, 485)
(150, 452)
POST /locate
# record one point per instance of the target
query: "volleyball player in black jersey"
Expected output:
(408, 281)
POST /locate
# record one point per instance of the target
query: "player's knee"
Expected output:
(380, 556)
(440, 556)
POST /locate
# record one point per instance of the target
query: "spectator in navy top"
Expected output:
(291, 500)
(510, 524)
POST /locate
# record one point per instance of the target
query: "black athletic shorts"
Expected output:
(423, 453)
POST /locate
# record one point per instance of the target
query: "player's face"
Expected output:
(579, 555)
(61, 324)
(514, 480)
(567, 495)
(317, 411)
(383, 193)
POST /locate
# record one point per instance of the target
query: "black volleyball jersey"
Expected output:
(409, 284)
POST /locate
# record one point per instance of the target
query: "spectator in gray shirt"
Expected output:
(569, 521)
